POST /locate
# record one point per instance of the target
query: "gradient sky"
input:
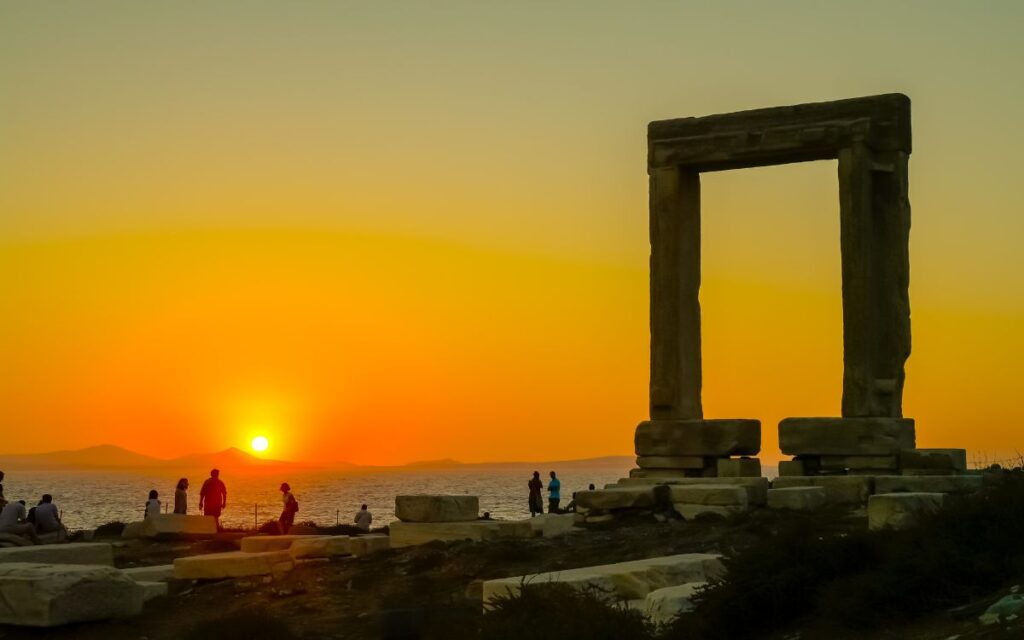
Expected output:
(384, 232)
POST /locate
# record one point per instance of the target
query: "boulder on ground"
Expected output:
(48, 595)
(363, 545)
(705, 438)
(739, 467)
(850, 490)
(626, 497)
(97, 553)
(900, 510)
(434, 508)
(796, 498)
(171, 526)
(928, 484)
(719, 495)
(233, 564)
(661, 606)
(621, 581)
(158, 573)
(257, 544)
(320, 547)
(406, 534)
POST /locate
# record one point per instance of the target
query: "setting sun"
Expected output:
(260, 443)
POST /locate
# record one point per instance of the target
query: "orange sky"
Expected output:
(394, 233)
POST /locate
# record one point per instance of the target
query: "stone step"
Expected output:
(49, 595)
(900, 510)
(95, 553)
(436, 508)
(796, 498)
(621, 581)
(232, 564)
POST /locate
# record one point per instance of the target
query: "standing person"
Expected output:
(291, 507)
(213, 496)
(181, 497)
(363, 519)
(12, 520)
(153, 504)
(47, 518)
(536, 498)
(3, 500)
(554, 495)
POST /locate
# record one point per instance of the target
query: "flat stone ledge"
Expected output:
(233, 564)
(170, 526)
(636, 497)
(900, 510)
(258, 544)
(158, 573)
(848, 490)
(407, 534)
(621, 581)
(436, 508)
(719, 495)
(91, 553)
(306, 547)
(49, 595)
(364, 545)
(757, 488)
(796, 498)
(928, 484)
(846, 436)
(705, 438)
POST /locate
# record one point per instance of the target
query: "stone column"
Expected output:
(675, 286)
(874, 232)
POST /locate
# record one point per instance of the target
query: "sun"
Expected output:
(260, 443)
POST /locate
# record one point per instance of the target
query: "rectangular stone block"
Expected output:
(407, 534)
(363, 545)
(320, 547)
(621, 581)
(45, 595)
(709, 494)
(691, 511)
(939, 459)
(705, 438)
(662, 606)
(757, 488)
(158, 573)
(846, 436)
(792, 468)
(900, 510)
(739, 468)
(233, 564)
(660, 473)
(860, 463)
(928, 484)
(671, 462)
(258, 544)
(849, 490)
(552, 525)
(643, 496)
(796, 498)
(152, 590)
(434, 508)
(169, 526)
(98, 553)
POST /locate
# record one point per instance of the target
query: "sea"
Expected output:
(88, 499)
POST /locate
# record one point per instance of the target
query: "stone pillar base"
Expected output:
(695, 448)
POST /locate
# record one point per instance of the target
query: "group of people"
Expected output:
(31, 523)
(213, 499)
(536, 487)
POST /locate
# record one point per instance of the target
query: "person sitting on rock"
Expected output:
(153, 504)
(290, 508)
(213, 496)
(554, 493)
(47, 520)
(363, 519)
(12, 520)
(181, 497)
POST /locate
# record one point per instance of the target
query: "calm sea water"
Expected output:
(91, 498)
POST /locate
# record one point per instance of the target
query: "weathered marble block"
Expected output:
(661, 606)
(928, 484)
(710, 494)
(860, 463)
(643, 496)
(621, 581)
(552, 525)
(158, 573)
(670, 462)
(849, 490)
(796, 498)
(95, 553)
(406, 534)
(258, 544)
(48, 595)
(757, 488)
(710, 438)
(363, 545)
(940, 459)
(435, 508)
(152, 590)
(320, 547)
(172, 526)
(691, 511)
(846, 436)
(900, 510)
(661, 473)
(739, 468)
(233, 564)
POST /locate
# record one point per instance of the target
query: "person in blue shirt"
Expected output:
(553, 493)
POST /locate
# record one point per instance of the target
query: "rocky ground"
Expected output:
(433, 591)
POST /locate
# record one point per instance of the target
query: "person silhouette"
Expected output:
(213, 496)
(536, 499)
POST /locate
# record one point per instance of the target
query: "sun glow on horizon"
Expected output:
(260, 444)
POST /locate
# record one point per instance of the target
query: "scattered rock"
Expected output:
(43, 595)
